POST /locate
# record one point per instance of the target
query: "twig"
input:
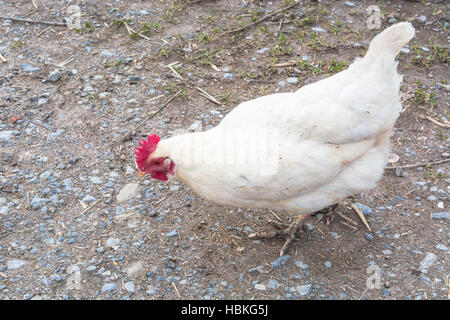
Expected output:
(275, 215)
(362, 295)
(40, 33)
(131, 31)
(346, 224)
(3, 58)
(419, 164)
(170, 66)
(155, 98)
(285, 64)
(5, 234)
(175, 287)
(445, 125)
(346, 218)
(34, 21)
(68, 60)
(261, 19)
(88, 208)
(361, 216)
(207, 95)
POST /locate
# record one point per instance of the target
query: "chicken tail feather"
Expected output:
(389, 42)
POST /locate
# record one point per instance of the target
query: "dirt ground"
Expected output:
(73, 103)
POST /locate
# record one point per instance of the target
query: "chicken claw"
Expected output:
(285, 230)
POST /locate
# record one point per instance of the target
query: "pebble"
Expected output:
(129, 286)
(109, 287)
(15, 264)
(196, 126)
(405, 50)
(273, 284)
(95, 180)
(260, 286)
(303, 290)
(366, 210)
(422, 18)
(327, 264)
(426, 263)
(129, 191)
(441, 247)
(228, 76)
(292, 80)
(263, 50)
(172, 233)
(368, 236)
(5, 136)
(316, 29)
(441, 215)
(106, 54)
(350, 4)
(280, 261)
(54, 76)
(301, 265)
(28, 68)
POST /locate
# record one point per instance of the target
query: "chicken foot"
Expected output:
(285, 230)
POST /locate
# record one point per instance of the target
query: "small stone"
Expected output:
(350, 4)
(54, 76)
(368, 236)
(109, 287)
(95, 180)
(133, 79)
(280, 261)
(303, 290)
(106, 54)
(366, 210)
(129, 170)
(422, 18)
(15, 264)
(301, 265)
(441, 247)
(228, 76)
(273, 284)
(316, 29)
(5, 136)
(113, 243)
(41, 102)
(399, 172)
(441, 215)
(135, 268)
(263, 50)
(172, 233)
(292, 80)
(426, 263)
(28, 68)
(88, 198)
(327, 264)
(129, 286)
(196, 126)
(405, 50)
(129, 191)
(260, 286)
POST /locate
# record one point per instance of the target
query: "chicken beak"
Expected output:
(140, 174)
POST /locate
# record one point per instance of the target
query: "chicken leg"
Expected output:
(287, 231)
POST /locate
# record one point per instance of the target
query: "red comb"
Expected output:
(145, 149)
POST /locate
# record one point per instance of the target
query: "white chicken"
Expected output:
(298, 152)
